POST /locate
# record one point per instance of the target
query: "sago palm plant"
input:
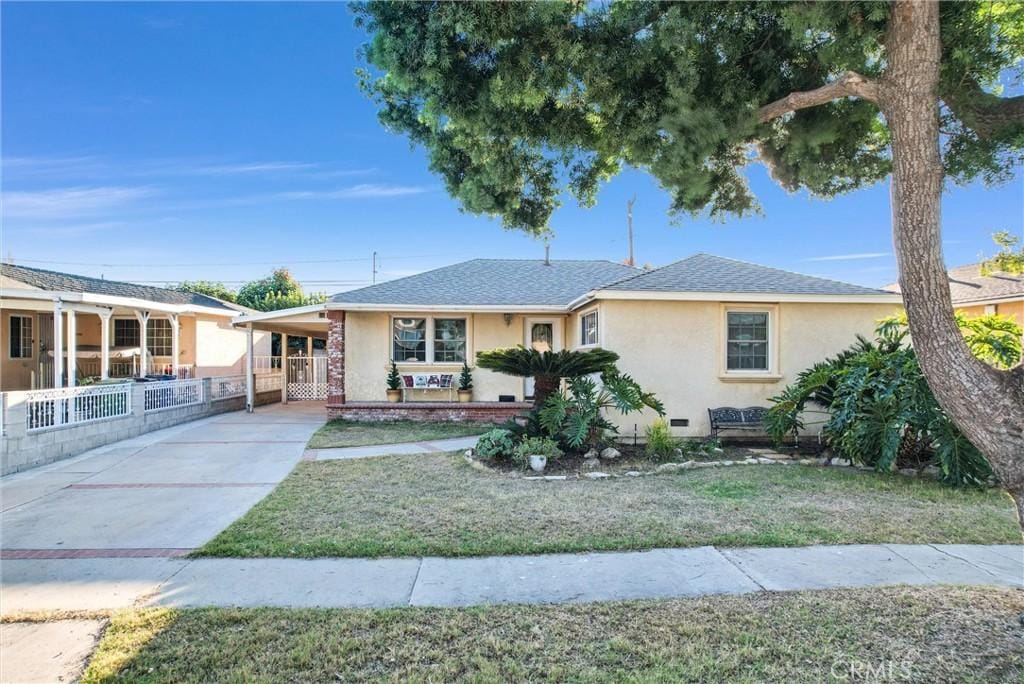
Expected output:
(546, 368)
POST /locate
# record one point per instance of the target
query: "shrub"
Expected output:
(465, 378)
(661, 445)
(535, 446)
(576, 419)
(497, 444)
(878, 408)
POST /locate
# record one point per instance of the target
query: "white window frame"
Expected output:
(429, 331)
(113, 331)
(21, 335)
(583, 344)
(151, 336)
(432, 349)
(772, 352)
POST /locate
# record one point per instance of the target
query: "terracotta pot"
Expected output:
(394, 396)
(465, 396)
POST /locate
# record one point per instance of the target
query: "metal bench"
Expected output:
(729, 418)
(428, 381)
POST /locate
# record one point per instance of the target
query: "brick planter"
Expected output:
(428, 411)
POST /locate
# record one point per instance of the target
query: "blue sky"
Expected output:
(159, 142)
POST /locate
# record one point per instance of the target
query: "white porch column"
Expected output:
(72, 348)
(58, 345)
(105, 344)
(284, 368)
(173, 318)
(250, 389)
(143, 317)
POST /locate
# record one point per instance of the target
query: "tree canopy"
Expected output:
(279, 290)
(1009, 258)
(209, 288)
(517, 103)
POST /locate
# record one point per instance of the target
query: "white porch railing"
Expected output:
(266, 364)
(227, 386)
(72, 406)
(168, 394)
(119, 368)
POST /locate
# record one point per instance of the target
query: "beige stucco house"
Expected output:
(111, 329)
(702, 332)
(975, 294)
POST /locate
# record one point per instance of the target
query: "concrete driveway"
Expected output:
(111, 521)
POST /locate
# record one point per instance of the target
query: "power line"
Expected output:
(235, 263)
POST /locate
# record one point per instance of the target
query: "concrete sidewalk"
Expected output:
(81, 584)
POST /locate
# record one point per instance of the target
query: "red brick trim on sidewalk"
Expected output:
(66, 554)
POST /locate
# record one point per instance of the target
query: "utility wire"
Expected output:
(235, 263)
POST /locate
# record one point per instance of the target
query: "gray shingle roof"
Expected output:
(494, 282)
(966, 284)
(709, 273)
(67, 282)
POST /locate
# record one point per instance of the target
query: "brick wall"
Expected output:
(336, 357)
(474, 412)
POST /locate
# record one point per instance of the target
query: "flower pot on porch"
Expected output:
(538, 462)
(465, 396)
(394, 396)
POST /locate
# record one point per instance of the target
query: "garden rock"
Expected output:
(591, 463)
(633, 473)
(597, 476)
(592, 454)
(610, 454)
(678, 453)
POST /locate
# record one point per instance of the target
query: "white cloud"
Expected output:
(361, 191)
(68, 202)
(850, 257)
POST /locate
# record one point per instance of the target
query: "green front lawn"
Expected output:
(343, 433)
(435, 504)
(937, 634)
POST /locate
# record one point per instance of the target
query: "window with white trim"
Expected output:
(588, 328)
(747, 341)
(449, 340)
(158, 337)
(409, 340)
(21, 337)
(126, 332)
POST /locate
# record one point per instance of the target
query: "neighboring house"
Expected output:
(976, 294)
(111, 329)
(702, 332)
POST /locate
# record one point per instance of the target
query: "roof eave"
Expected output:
(111, 301)
(689, 296)
(454, 308)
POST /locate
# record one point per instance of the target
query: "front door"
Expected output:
(542, 334)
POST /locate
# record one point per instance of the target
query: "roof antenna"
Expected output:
(629, 222)
(547, 253)
(373, 276)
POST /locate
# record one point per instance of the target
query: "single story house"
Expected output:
(976, 294)
(702, 332)
(111, 329)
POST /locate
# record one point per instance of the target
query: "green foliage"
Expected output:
(209, 288)
(497, 444)
(546, 368)
(1009, 259)
(661, 444)
(465, 378)
(394, 379)
(576, 418)
(277, 291)
(516, 103)
(535, 446)
(878, 409)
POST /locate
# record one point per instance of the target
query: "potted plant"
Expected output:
(465, 384)
(394, 384)
(535, 452)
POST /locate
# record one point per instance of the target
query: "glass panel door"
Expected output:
(541, 336)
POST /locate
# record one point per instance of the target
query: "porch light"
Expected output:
(508, 318)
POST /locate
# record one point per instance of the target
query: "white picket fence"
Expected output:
(53, 408)
(168, 394)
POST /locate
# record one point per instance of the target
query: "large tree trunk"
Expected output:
(985, 403)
